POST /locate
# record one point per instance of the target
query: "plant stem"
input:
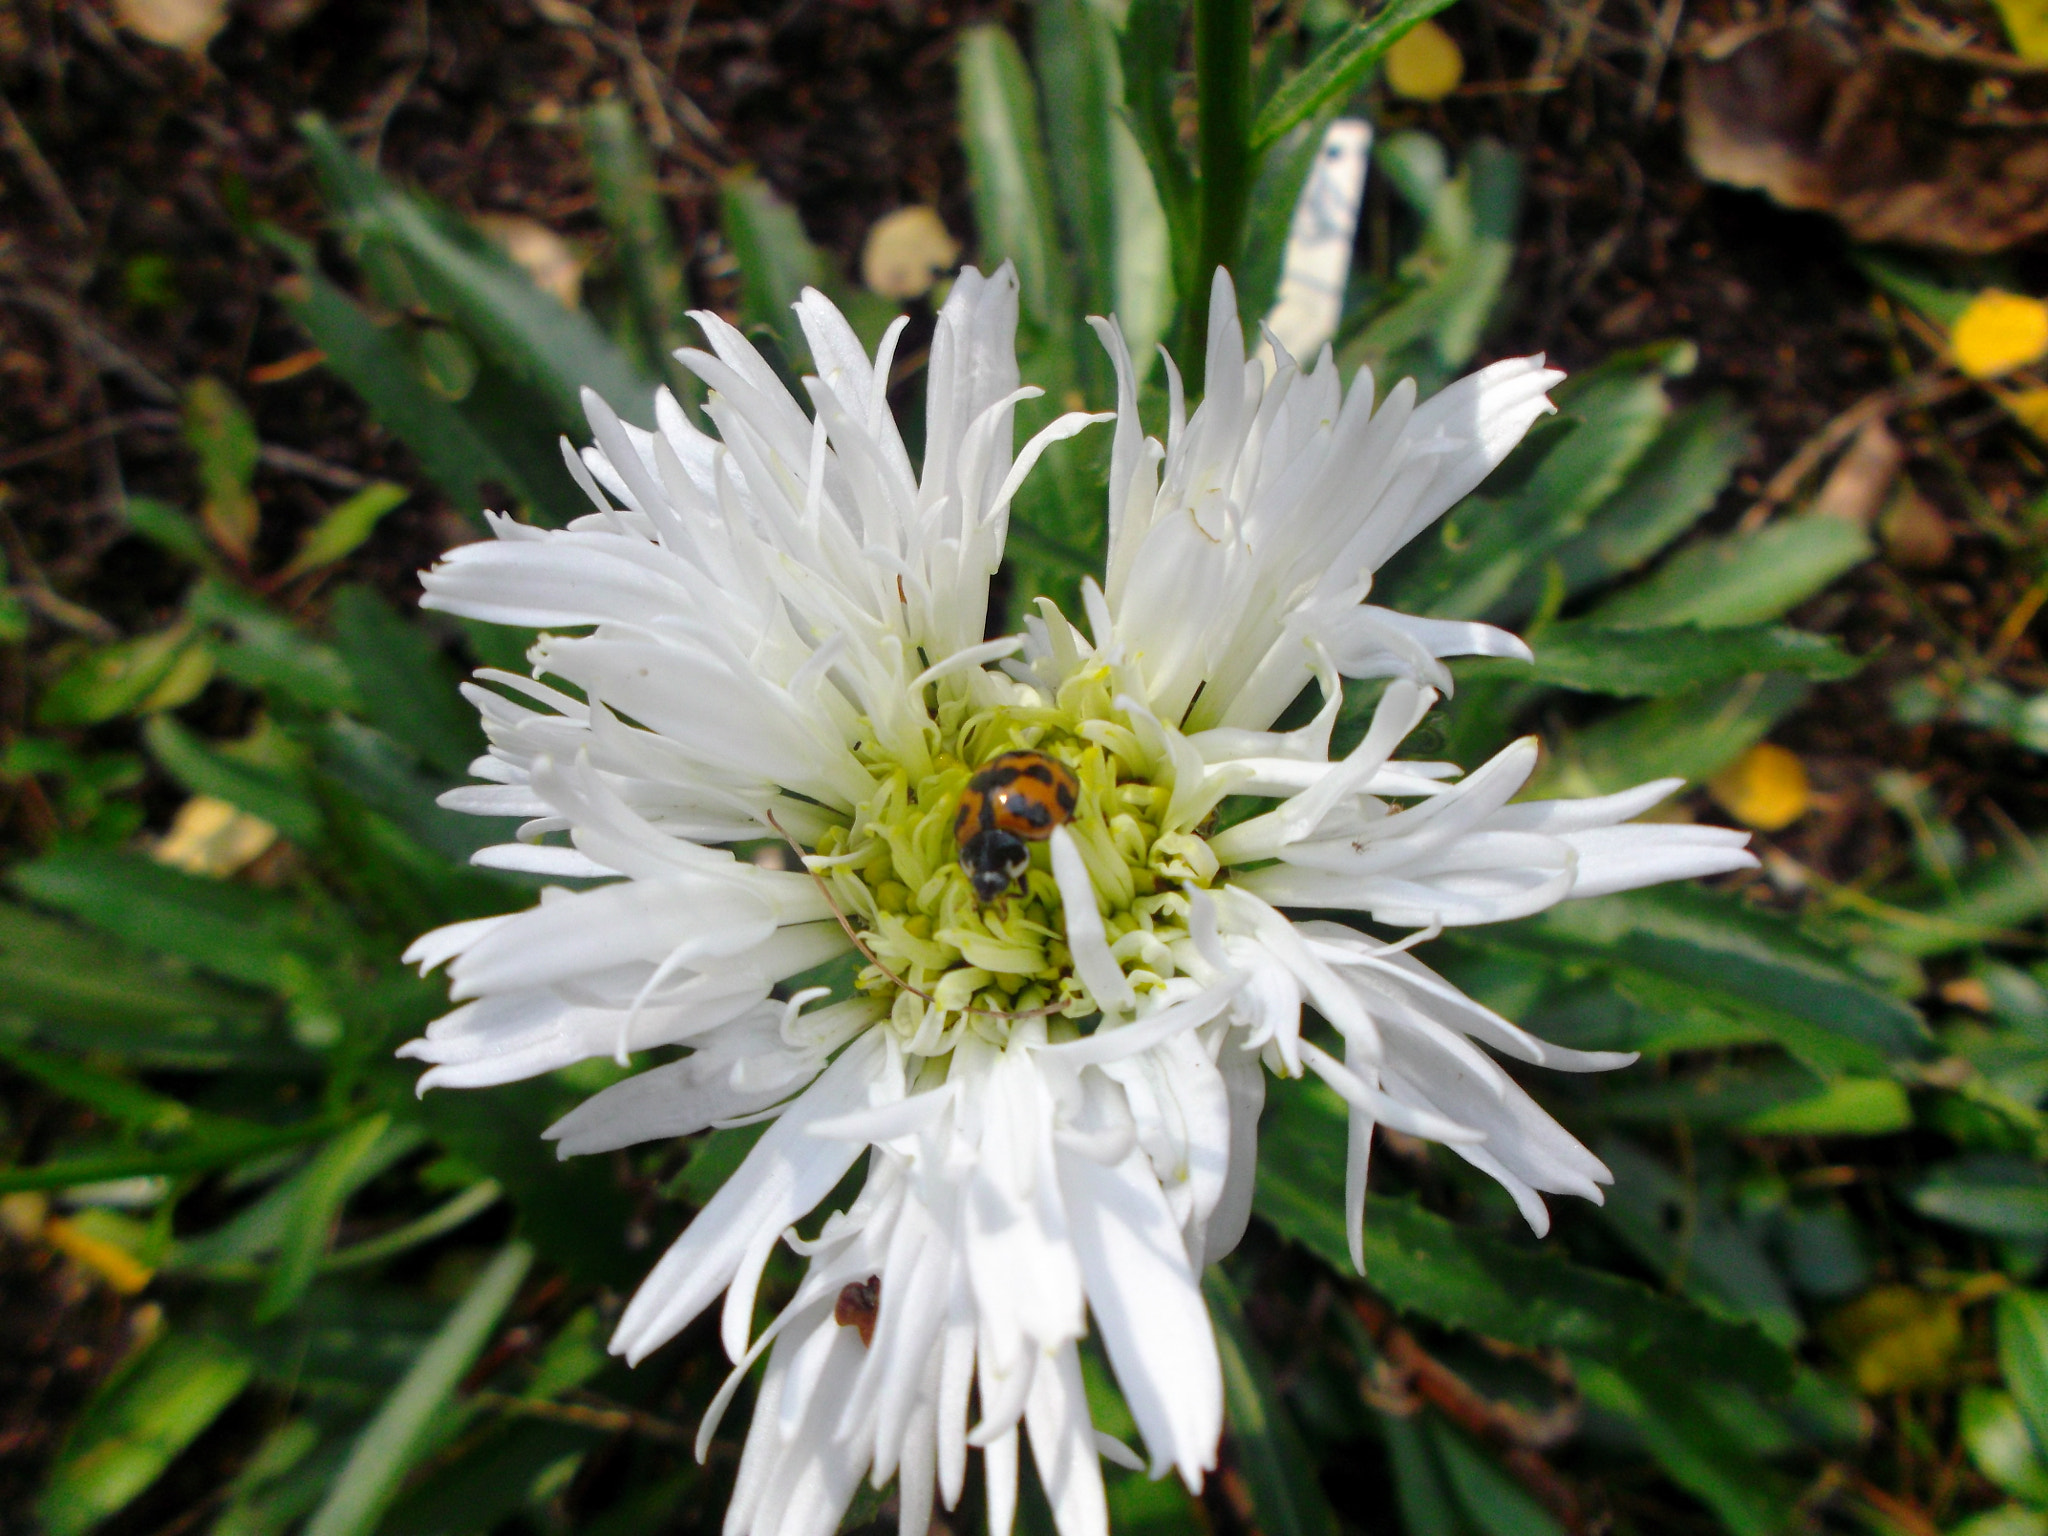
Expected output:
(1223, 80)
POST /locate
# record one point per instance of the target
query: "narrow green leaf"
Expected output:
(1743, 578)
(1150, 53)
(1656, 663)
(1420, 1487)
(161, 671)
(1691, 735)
(1013, 206)
(235, 931)
(270, 796)
(1494, 1502)
(222, 435)
(555, 351)
(1849, 1106)
(2023, 1356)
(776, 258)
(409, 690)
(169, 528)
(321, 1189)
(227, 1144)
(1465, 1279)
(1992, 1193)
(1676, 482)
(265, 650)
(1999, 1442)
(1682, 1432)
(118, 1098)
(1340, 65)
(405, 1427)
(83, 992)
(136, 1426)
(2006, 893)
(1074, 51)
(1279, 1473)
(1751, 964)
(629, 201)
(455, 445)
(342, 531)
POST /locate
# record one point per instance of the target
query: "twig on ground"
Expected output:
(39, 174)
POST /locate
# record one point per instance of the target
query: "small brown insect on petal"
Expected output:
(857, 1305)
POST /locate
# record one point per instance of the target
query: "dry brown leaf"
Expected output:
(1898, 145)
(906, 252)
(1916, 536)
(539, 252)
(187, 25)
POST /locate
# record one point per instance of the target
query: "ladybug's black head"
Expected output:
(993, 859)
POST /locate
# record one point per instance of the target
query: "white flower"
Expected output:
(779, 633)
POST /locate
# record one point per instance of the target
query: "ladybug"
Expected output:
(1016, 798)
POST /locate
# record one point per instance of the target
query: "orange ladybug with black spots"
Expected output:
(1014, 800)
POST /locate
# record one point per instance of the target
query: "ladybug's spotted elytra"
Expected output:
(1016, 798)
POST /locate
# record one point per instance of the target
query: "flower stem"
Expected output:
(1223, 82)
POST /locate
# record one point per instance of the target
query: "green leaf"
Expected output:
(86, 993)
(1721, 973)
(1655, 663)
(1549, 491)
(121, 1100)
(1992, 1193)
(235, 931)
(2023, 1356)
(1689, 735)
(776, 258)
(1493, 1502)
(1338, 66)
(1074, 50)
(1150, 54)
(1421, 1490)
(1279, 1474)
(409, 690)
(554, 351)
(462, 450)
(224, 1144)
(2006, 893)
(1996, 1435)
(169, 529)
(1916, 287)
(411, 1421)
(1676, 482)
(629, 201)
(1013, 207)
(1743, 578)
(135, 1426)
(342, 531)
(1689, 1442)
(223, 436)
(1466, 1279)
(280, 1483)
(1681, 1230)
(319, 1192)
(156, 671)
(267, 651)
(1849, 1106)
(265, 794)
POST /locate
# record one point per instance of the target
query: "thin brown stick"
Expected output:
(825, 891)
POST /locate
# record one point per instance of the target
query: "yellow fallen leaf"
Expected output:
(905, 253)
(539, 252)
(187, 25)
(1425, 65)
(1764, 788)
(1895, 1337)
(210, 837)
(23, 1214)
(1998, 333)
(2029, 408)
(2026, 23)
(121, 1270)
